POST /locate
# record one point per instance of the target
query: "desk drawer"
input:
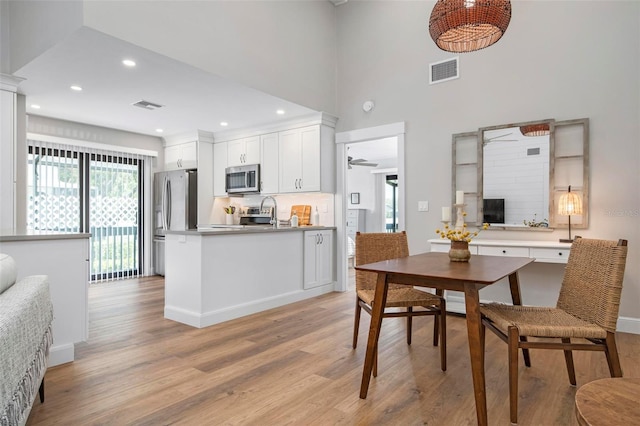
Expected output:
(504, 251)
(550, 255)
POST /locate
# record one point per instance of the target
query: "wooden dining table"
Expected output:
(435, 270)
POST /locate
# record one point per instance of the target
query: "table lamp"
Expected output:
(570, 204)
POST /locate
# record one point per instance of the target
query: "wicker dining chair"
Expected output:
(375, 247)
(587, 309)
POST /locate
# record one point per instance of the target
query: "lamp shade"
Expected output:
(570, 204)
(540, 129)
(468, 25)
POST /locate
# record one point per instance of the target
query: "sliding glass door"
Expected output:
(73, 191)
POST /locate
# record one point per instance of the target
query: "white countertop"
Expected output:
(207, 230)
(7, 235)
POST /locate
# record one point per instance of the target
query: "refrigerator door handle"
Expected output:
(165, 204)
(168, 204)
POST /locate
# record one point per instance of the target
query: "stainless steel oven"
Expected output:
(243, 179)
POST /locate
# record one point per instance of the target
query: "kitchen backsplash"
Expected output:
(324, 202)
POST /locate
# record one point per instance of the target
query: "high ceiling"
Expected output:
(191, 98)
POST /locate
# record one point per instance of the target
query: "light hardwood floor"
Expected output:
(291, 365)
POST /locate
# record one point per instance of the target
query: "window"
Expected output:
(70, 190)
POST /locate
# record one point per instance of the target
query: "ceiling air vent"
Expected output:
(147, 105)
(443, 71)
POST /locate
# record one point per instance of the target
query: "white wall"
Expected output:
(29, 28)
(284, 48)
(561, 59)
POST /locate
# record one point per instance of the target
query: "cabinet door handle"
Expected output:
(504, 252)
(560, 253)
(316, 239)
(321, 239)
(300, 183)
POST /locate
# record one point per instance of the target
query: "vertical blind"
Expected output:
(80, 189)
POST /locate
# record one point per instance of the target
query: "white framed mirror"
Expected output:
(513, 175)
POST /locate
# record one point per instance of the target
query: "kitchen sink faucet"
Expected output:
(274, 212)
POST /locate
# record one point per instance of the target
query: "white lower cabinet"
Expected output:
(318, 258)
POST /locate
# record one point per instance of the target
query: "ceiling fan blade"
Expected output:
(497, 137)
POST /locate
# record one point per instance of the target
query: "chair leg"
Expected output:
(375, 363)
(568, 358)
(442, 321)
(612, 356)
(513, 374)
(356, 324)
(525, 353)
(41, 391)
(409, 324)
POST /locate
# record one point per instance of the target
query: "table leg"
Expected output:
(380, 300)
(472, 305)
(514, 286)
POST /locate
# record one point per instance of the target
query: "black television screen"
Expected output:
(493, 209)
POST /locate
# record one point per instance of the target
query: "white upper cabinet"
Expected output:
(243, 151)
(181, 156)
(306, 160)
(295, 156)
(7, 159)
(269, 161)
(219, 168)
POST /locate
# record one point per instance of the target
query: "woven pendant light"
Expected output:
(541, 129)
(468, 25)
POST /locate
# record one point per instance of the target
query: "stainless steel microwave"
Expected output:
(243, 179)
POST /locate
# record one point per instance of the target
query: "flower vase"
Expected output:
(459, 251)
(229, 219)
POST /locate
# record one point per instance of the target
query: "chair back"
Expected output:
(375, 247)
(592, 281)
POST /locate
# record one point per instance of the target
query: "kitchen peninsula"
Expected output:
(218, 274)
(63, 257)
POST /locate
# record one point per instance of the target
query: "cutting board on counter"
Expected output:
(304, 214)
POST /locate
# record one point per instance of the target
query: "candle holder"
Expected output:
(459, 216)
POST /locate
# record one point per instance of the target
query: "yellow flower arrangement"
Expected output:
(460, 234)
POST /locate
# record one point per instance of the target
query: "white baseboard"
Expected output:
(625, 324)
(61, 354)
(629, 325)
(201, 320)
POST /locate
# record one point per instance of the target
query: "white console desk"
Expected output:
(542, 251)
(539, 282)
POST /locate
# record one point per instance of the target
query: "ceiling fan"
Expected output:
(498, 139)
(359, 162)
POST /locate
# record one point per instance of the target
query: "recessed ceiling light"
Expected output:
(159, 130)
(34, 106)
(129, 63)
(76, 88)
(224, 123)
(280, 112)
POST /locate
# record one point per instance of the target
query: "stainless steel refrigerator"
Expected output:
(175, 202)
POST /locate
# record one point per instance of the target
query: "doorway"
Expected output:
(370, 189)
